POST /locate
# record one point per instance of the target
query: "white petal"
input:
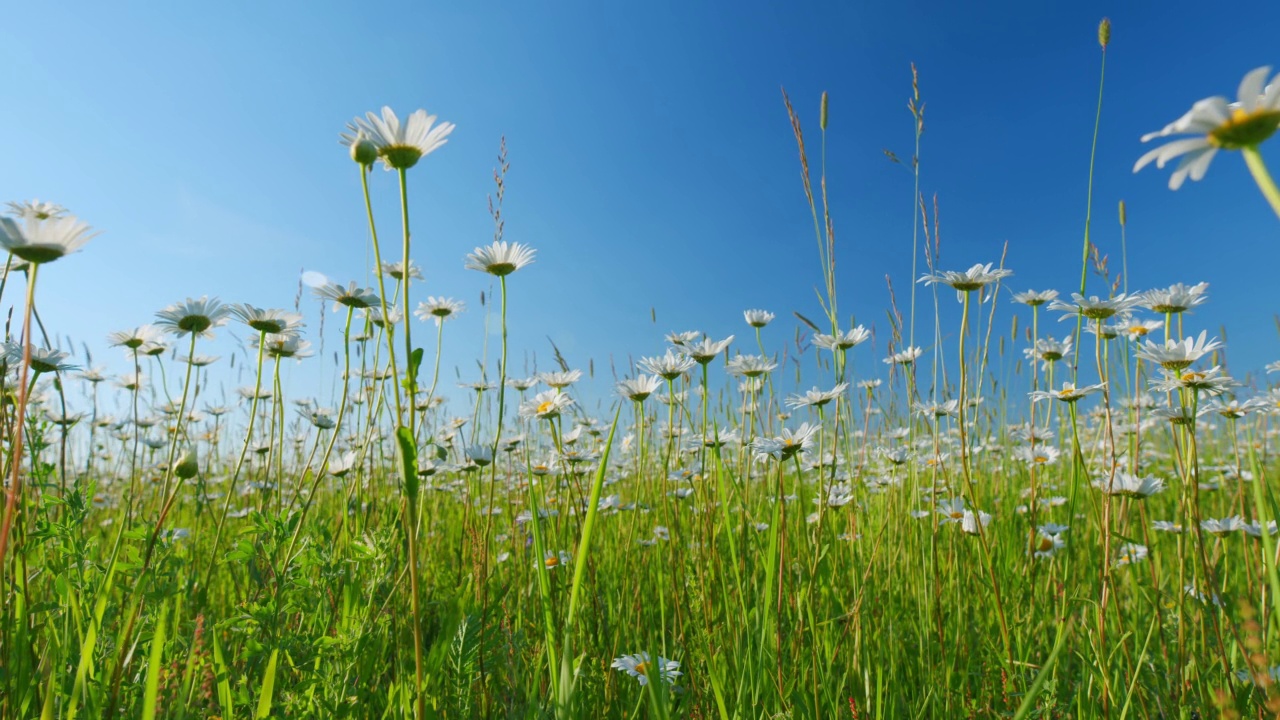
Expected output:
(1251, 88)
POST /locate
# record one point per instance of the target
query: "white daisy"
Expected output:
(400, 145)
(1219, 125)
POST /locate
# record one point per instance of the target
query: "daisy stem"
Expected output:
(1262, 177)
(387, 326)
(244, 451)
(15, 458)
(411, 369)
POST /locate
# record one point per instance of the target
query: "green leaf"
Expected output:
(408, 462)
(153, 666)
(268, 687)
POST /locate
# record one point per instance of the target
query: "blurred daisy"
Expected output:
(1224, 526)
(758, 318)
(1131, 553)
(37, 209)
(501, 258)
(641, 668)
(904, 357)
(1034, 298)
(1045, 545)
(1219, 125)
(1131, 486)
(399, 145)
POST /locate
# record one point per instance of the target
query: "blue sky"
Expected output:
(653, 166)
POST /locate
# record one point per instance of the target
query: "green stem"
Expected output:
(1266, 184)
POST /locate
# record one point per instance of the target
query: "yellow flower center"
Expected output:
(552, 561)
(545, 407)
(1043, 544)
(956, 515)
(642, 668)
(1244, 129)
(1138, 330)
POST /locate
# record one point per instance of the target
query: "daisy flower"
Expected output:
(552, 559)
(1048, 351)
(786, 445)
(639, 388)
(1210, 382)
(975, 278)
(904, 357)
(136, 338)
(816, 397)
(1166, 526)
(286, 345)
(706, 350)
(969, 524)
(1217, 125)
(1178, 354)
(43, 360)
(267, 321)
(501, 258)
(1045, 545)
(561, 378)
(545, 405)
(438, 309)
(1095, 308)
(1224, 526)
(396, 270)
(193, 316)
(1175, 298)
(751, 366)
(37, 209)
(1035, 298)
(1131, 486)
(1131, 553)
(399, 145)
(351, 296)
(39, 241)
(1069, 392)
(757, 318)
(641, 668)
(670, 366)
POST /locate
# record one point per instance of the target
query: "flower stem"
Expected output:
(1266, 184)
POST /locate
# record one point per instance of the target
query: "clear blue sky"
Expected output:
(652, 160)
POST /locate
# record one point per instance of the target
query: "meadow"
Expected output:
(1034, 503)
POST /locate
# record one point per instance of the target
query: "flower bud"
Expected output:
(363, 151)
(1104, 32)
(186, 467)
